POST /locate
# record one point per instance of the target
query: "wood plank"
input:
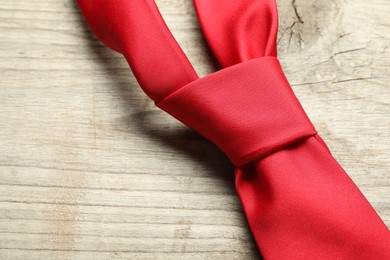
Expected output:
(90, 169)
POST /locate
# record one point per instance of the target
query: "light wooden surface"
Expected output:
(90, 169)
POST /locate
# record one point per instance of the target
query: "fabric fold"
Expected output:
(248, 110)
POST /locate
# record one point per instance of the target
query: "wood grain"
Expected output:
(90, 169)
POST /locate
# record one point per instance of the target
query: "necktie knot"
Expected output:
(248, 110)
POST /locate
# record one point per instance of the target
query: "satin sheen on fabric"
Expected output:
(299, 202)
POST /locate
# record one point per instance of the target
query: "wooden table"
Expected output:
(90, 169)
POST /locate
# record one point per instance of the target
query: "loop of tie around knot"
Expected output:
(248, 110)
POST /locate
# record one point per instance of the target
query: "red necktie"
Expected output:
(299, 202)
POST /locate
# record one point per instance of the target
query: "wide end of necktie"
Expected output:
(299, 202)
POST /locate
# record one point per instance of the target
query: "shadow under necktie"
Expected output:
(156, 125)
